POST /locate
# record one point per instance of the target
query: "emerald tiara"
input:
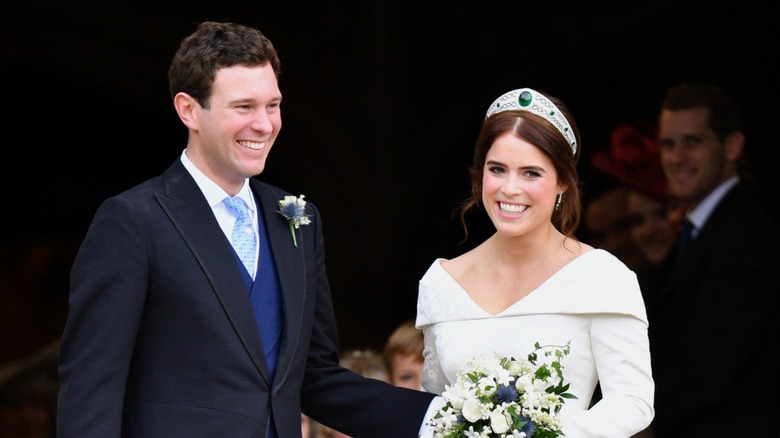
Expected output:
(526, 99)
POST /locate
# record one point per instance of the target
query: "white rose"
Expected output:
(487, 386)
(514, 368)
(456, 402)
(524, 383)
(499, 422)
(472, 410)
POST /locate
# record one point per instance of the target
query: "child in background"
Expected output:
(403, 355)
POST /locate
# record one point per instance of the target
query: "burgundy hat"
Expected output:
(634, 158)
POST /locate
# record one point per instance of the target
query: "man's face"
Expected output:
(693, 159)
(236, 132)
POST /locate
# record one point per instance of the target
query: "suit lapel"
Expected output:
(188, 210)
(703, 241)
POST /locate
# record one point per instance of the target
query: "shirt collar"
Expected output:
(215, 194)
(702, 212)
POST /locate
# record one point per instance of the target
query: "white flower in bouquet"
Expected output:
(499, 397)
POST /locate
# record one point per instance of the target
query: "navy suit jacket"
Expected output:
(161, 340)
(714, 327)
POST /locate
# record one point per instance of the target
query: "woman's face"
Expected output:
(519, 186)
(651, 228)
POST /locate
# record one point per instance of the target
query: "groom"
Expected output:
(174, 333)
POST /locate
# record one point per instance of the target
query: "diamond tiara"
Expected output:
(526, 99)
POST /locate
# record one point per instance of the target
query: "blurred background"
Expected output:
(382, 104)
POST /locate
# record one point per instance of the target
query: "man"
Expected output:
(713, 326)
(172, 333)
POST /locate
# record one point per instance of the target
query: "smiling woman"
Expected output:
(89, 115)
(533, 281)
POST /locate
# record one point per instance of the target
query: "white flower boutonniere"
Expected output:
(497, 397)
(293, 208)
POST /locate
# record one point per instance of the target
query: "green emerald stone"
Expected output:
(552, 113)
(525, 98)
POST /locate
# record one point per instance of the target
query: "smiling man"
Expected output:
(193, 310)
(713, 327)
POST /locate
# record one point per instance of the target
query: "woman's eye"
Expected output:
(496, 169)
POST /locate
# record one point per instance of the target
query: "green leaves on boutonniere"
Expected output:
(293, 208)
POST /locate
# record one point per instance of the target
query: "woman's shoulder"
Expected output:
(597, 258)
(466, 260)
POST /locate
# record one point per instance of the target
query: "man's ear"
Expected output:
(734, 145)
(186, 107)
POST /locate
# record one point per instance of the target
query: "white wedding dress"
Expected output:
(594, 302)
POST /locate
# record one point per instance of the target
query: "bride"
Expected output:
(533, 281)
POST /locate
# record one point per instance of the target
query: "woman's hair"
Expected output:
(545, 136)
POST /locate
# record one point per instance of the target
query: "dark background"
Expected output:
(382, 103)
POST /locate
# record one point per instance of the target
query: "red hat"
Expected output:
(634, 158)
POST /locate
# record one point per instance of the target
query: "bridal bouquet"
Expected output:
(506, 397)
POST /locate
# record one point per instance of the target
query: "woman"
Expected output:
(532, 281)
(653, 217)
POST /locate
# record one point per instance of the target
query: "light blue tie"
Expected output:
(243, 238)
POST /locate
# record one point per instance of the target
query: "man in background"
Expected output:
(713, 324)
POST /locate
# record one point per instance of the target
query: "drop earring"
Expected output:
(558, 202)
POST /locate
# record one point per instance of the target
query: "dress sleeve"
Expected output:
(428, 301)
(433, 379)
(620, 346)
(622, 354)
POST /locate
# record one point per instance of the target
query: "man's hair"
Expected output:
(405, 340)
(212, 46)
(725, 116)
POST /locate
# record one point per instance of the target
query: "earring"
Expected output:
(558, 202)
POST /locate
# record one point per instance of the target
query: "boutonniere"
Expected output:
(293, 208)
